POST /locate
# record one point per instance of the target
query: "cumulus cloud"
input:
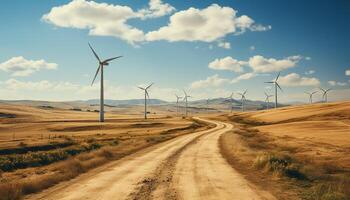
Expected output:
(100, 19)
(227, 63)
(225, 45)
(14, 84)
(156, 9)
(212, 81)
(245, 76)
(347, 72)
(262, 65)
(252, 48)
(294, 80)
(310, 72)
(19, 66)
(336, 83)
(207, 25)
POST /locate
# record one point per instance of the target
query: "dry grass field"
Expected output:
(304, 149)
(42, 146)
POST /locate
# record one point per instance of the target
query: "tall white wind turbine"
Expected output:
(267, 100)
(146, 96)
(185, 99)
(243, 99)
(177, 103)
(325, 94)
(276, 85)
(310, 95)
(101, 65)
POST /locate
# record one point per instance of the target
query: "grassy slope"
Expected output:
(304, 148)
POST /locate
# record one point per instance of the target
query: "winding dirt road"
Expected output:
(187, 167)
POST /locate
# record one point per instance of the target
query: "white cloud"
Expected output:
(207, 25)
(252, 48)
(156, 9)
(227, 63)
(14, 84)
(335, 83)
(347, 72)
(294, 80)
(100, 19)
(307, 58)
(245, 76)
(225, 45)
(260, 64)
(310, 72)
(19, 66)
(212, 81)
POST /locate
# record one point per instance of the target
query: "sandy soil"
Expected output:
(186, 167)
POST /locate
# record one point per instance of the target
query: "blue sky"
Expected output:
(47, 58)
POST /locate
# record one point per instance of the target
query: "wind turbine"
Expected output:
(310, 95)
(325, 92)
(243, 99)
(276, 85)
(267, 100)
(101, 65)
(146, 96)
(177, 103)
(185, 99)
(231, 100)
(208, 105)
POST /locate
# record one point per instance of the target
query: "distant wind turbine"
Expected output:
(276, 85)
(146, 96)
(185, 99)
(177, 103)
(267, 100)
(208, 105)
(231, 101)
(310, 95)
(101, 65)
(243, 99)
(325, 93)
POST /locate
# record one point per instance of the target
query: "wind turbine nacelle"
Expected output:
(106, 63)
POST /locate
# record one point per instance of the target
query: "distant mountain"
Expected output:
(125, 102)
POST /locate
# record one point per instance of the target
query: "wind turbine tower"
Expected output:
(276, 85)
(146, 96)
(310, 95)
(325, 94)
(101, 65)
(243, 99)
(231, 102)
(186, 98)
(267, 100)
(177, 103)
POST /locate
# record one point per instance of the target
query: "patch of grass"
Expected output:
(35, 159)
(281, 164)
(327, 191)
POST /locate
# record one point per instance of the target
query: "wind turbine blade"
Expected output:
(279, 86)
(279, 73)
(98, 69)
(149, 86)
(93, 51)
(147, 94)
(244, 92)
(110, 59)
(329, 90)
(141, 88)
(322, 89)
(266, 94)
(314, 92)
(185, 93)
(269, 82)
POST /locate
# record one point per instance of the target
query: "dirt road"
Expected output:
(187, 167)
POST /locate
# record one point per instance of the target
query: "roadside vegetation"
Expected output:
(27, 169)
(293, 169)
